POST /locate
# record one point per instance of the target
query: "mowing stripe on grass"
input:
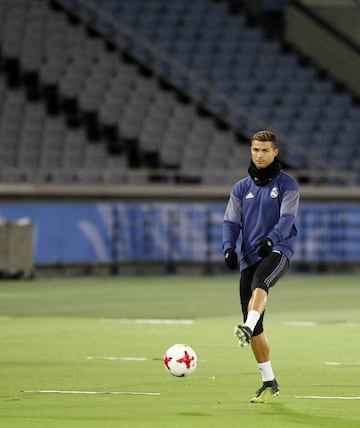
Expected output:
(324, 397)
(55, 391)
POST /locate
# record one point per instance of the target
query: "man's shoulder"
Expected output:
(287, 179)
(245, 180)
(242, 184)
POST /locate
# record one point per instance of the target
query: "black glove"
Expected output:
(231, 259)
(266, 246)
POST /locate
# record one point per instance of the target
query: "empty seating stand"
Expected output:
(238, 61)
(75, 105)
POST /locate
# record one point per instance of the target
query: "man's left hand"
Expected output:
(266, 246)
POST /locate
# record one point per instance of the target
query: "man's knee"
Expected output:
(261, 285)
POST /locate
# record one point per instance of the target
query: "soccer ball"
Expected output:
(180, 360)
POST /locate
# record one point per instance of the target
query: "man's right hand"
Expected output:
(231, 259)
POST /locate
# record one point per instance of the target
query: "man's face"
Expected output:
(263, 153)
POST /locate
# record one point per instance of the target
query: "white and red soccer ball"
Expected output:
(180, 360)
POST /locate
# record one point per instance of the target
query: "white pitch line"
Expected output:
(119, 358)
(301, 323)
(163, 321)
(316, 323)
(55, 391)
(155, 321)
(341, 363)
(322, 397)
(127, 359)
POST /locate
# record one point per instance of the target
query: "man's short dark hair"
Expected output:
(265, 136)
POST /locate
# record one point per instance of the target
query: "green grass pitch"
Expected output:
(94, 336)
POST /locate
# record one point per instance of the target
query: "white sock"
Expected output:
(252, 319)
(266, 371)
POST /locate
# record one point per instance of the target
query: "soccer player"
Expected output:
(261, 211)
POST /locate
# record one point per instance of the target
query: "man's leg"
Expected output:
(255, 308)
(258, 301)
(261, 348)
(265, 276)
(244, 334)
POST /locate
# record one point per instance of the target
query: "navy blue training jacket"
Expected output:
(256, 212)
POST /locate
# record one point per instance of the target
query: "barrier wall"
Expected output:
(159, 231)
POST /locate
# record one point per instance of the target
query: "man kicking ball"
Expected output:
(261, 210)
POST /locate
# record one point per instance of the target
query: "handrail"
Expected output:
(328, 26)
